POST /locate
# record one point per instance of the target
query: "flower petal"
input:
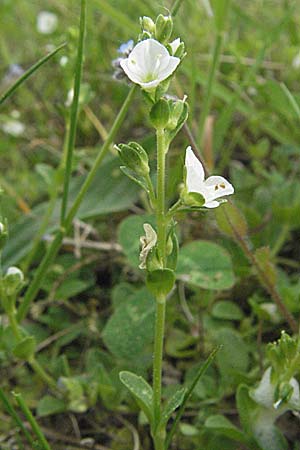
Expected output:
(213, 204)
(216, 187)
(165, 72)
(194, 172)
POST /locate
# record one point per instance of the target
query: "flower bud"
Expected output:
(160, 114)
(178, 113)
(13, 280)
(176, 48)
(163, 28)
(135, 157)
(147, 24)
(3, 234)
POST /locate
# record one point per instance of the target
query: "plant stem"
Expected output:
(210, 83)
(160, 211)
(34, 425)
(14, 324)
(158, 433)
(264, 278)
(56, 243)
(31, 361)
(74, 110)
(158, 354)
(42, 374)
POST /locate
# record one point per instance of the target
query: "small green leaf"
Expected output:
(231, 220)
(160, 282)
(25, 348)
(173, 403)
(48, 405)
(141, 391)
(264, 259)
(227, 310)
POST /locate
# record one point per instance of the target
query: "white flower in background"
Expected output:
(265, 392)
(296, 61)
(212, 188)
(147, 242)
(46, 22)
(70, 97)
(63, 61)
(13, 127)
(149, 64)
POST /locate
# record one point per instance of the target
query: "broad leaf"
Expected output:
(205, 264)
(141, 391)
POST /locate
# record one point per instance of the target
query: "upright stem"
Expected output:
(160, 211)
(74, 110)
(159, 434)
(158, 354)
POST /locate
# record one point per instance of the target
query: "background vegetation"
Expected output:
(92, 310)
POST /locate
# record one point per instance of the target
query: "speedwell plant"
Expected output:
(152, 64)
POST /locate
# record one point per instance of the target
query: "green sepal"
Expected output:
(25, 349)
(147, 24)
(173, 256)
(178, 120)
(135, 157)
(163, 28)
(192, 199)
(160, 114)
(141, 391)
(160, 282)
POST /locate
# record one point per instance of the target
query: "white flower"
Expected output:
(46, 22)
(13, 127)
(148, 242)
(212, 188)
(265, 392)
(149, 64)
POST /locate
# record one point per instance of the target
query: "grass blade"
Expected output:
(28, 73)
(201, 372)
(12, 412)
(34, 425)
(74, 110)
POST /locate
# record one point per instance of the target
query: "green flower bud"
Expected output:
(13, 280)
(147, 24)
(135, 157)
(3, 234)
(163, 28)
(178, 113)
(160, 114)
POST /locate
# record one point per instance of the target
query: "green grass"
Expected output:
(88, 294)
